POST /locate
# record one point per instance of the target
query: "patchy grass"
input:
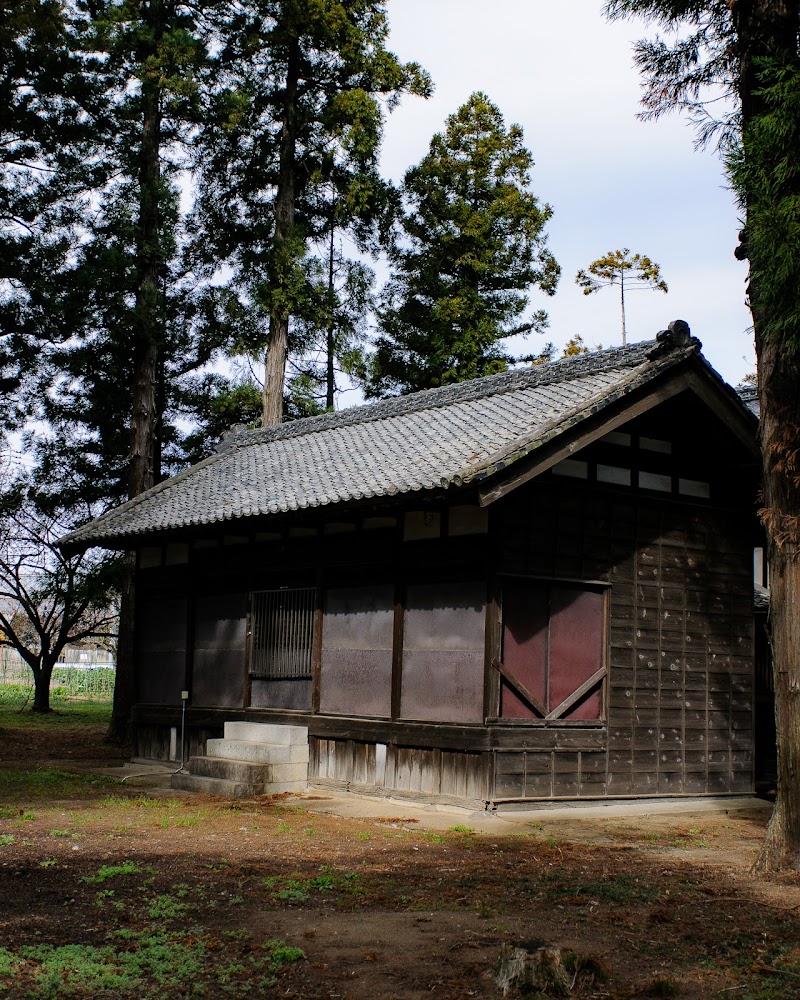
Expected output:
(154, 960)
(36, 784)
(67, 714)
(147, 896)
(617, 888)
(297, 889)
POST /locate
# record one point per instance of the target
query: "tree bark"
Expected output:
(147, 326)
(779, 394)
(330, 345)
(283, 252)
(41, 686)
(769, 28)
(147, 344)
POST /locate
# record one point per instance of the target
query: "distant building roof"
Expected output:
(749, 396)
(438, 438)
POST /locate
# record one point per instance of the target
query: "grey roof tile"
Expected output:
(407, 444)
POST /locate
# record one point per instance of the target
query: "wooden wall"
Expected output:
(679, 695)
(369, 768)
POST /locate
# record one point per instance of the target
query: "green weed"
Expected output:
(7, 839)
(165, 908)
(112, 871)
(8, 963)
(240, 934)
(284, 954)
(297, 889)
(293, 893)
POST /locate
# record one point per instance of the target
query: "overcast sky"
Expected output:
(567, 77)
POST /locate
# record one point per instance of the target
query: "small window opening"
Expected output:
(283, 632)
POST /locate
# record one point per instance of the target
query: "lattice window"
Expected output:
(283, 633)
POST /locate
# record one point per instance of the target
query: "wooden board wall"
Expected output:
(439, 775)
(680, 652)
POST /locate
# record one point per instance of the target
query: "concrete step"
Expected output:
(259, 753)
(212, 786)
(293, 773)
(266, 732)
(247, 771)
(276, 787)
(239, 771)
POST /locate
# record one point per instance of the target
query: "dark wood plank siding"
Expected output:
(434, 774)
(220, 641)
(161, 650)
(680, 641)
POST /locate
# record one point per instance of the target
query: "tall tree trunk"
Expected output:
(42, 676)
(779, 395)
(283, 250)
(330, 346)
(147, 343)
(769, 28)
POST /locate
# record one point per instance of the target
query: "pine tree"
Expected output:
(750, 49)
(471, 247)
(44, 137)
(297, 126)
(131, 328)
(624, 269)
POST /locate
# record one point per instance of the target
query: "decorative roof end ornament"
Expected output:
(676, 336)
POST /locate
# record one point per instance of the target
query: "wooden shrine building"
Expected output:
(537, 585)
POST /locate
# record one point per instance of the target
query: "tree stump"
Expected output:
(524, 970)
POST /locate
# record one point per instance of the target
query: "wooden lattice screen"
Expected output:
(283, 630)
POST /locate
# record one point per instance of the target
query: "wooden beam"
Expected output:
(316, 642)
(576, 696)
(397, 644)
(519, 688)
(547, 457)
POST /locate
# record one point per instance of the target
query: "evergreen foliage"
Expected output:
(290, 152)
(470, 249)
(749, 51)
(44, 138)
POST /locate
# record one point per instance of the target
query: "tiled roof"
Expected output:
(749, 396)
(427, 440)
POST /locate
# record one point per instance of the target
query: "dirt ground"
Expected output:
(109, 890)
